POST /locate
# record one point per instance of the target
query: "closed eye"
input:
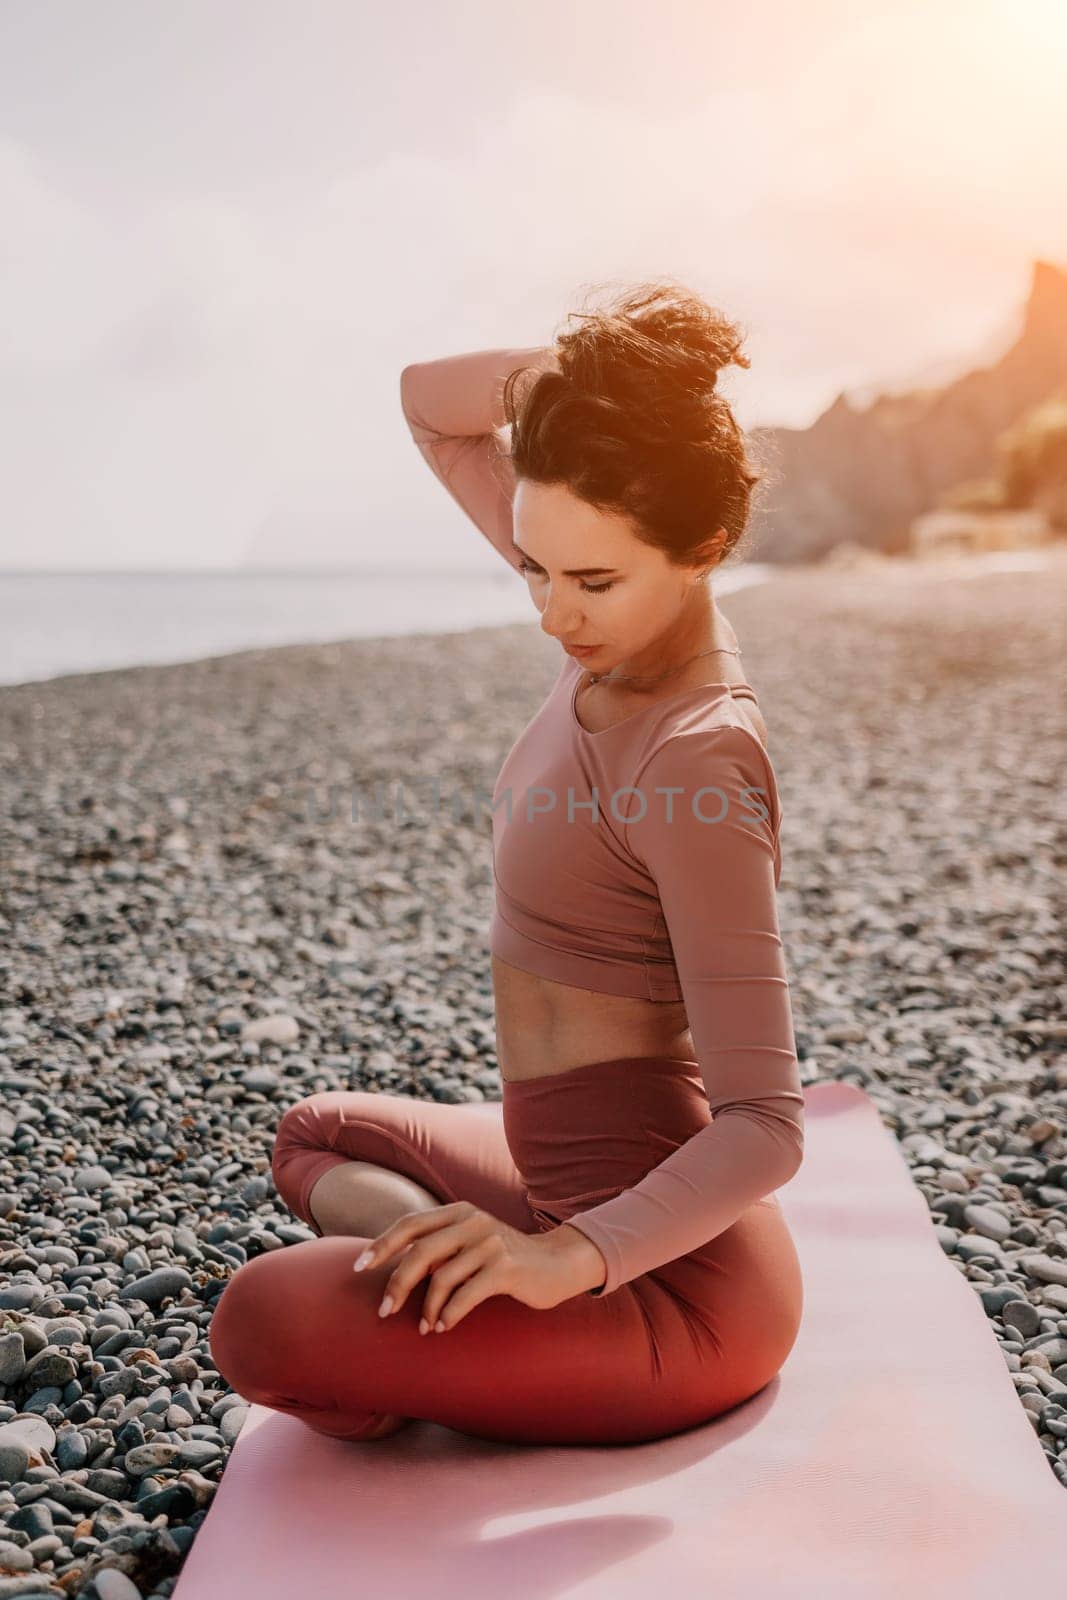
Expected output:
(587, 588)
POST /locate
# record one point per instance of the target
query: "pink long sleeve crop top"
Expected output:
(640, 860)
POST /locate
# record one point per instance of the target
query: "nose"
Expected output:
(559, 618)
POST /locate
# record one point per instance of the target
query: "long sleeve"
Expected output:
(452, 407)
(717, 883)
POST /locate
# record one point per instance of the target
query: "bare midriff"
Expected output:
(544, 1027)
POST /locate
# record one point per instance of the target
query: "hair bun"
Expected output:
(656, 351)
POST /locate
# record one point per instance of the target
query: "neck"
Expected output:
(699, 627)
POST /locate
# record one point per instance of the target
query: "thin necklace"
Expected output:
(625, 677)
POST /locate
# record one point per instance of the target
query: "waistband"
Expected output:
(583, 1135)
(670, 1067)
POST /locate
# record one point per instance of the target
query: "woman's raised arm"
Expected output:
(452, 407)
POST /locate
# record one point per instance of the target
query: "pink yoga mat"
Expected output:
(889, 1457)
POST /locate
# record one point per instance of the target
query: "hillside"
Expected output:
(861, 474)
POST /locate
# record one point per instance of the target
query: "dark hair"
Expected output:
(632, 422)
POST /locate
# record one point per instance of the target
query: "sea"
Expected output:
(56, 623)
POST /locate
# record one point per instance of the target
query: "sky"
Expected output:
(226, 226)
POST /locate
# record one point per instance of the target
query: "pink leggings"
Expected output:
(298, 1331)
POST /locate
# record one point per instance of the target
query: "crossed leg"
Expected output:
(297, 1330)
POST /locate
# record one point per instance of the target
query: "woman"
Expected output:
(606, 1261)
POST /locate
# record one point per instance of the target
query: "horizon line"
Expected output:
(244, 571)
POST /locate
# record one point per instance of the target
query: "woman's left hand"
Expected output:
(471, 1255)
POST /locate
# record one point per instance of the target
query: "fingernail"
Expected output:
(386, 1306)
(363, 1260)
(424, 1326)
(439, 1327)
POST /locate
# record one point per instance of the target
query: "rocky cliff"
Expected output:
(862, 474)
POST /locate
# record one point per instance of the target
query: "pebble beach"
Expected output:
(230, 883)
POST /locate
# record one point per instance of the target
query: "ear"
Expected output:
(707, 555)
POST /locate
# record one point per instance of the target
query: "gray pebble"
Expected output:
(14, 1456)
(1046, 1270)
(159, 1285)
(150, 1457)
(90, 1178)
(1022, 1316)
(271, 1030)
(985, 1220)
(111, 1584)
(12, 1357)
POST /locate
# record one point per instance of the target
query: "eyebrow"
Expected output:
(568, 572)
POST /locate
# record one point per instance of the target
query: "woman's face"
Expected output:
(593, 580)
